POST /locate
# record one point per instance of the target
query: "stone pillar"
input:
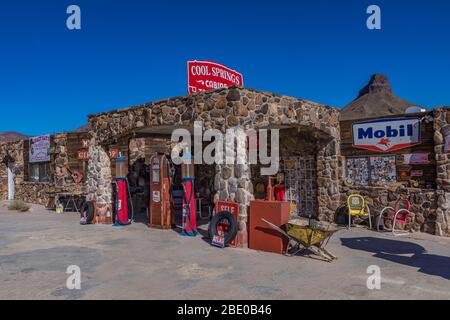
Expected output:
(233, 183)
(441, 225)
(329, 175)
(99, 181)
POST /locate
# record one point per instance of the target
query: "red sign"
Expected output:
(83, 155)
(207, 76)
(231, 207)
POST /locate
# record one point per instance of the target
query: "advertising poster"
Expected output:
(386, 135)
(416, 158)
(39, 147)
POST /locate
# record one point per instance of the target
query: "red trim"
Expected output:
(394, 148)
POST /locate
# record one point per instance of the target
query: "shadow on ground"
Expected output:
(402, 252)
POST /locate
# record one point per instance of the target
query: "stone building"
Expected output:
(306, 129)
(57, 176)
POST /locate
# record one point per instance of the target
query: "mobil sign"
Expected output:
(208, 76)
(386, 135)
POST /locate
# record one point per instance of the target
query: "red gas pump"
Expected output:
(189, 210)
(122, 193)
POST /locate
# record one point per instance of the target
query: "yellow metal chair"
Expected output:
(357, 208)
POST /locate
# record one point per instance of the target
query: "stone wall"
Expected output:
(60, 159)
(441, 130)
(329, 177)
(221, 109)
(425, 205)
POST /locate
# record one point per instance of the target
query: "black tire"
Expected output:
(232, 232)
(88, 211)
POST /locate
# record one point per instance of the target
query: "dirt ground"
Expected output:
(135, 262)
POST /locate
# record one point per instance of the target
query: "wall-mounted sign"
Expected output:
(207, 76)
(85, 143)
(83, 155)
(39, 147)
(417, 173)
(386, 135)
(113, 153)
(156, 195)
(416, 158)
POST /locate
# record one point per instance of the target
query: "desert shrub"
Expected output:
(19, 205)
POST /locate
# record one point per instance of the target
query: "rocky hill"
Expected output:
(374, 100)
(12, 136)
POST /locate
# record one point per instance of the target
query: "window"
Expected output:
(377, 170)
(39, 172)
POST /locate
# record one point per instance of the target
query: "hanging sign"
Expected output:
(386, 135)
(207, 76)
(39, 147)
(416, 158)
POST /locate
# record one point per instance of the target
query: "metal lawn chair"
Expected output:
(400, 214)
(357, 208)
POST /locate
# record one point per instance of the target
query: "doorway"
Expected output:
(11, 185)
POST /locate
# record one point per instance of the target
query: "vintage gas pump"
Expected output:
(189, 210)
(122, 193)
(160, 215)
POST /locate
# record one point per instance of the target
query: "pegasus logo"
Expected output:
(384, 142)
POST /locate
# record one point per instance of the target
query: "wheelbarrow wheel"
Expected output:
(293, 248)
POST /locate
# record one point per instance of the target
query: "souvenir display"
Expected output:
(383, 170)
(358, 171)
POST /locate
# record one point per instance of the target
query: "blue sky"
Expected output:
(135, 51)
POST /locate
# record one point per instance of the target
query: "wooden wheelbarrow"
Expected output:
(307, 238)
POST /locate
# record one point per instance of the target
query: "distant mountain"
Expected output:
(376, 99)
(82, 129)
(12, 136)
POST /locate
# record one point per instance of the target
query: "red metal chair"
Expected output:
(401, 213)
